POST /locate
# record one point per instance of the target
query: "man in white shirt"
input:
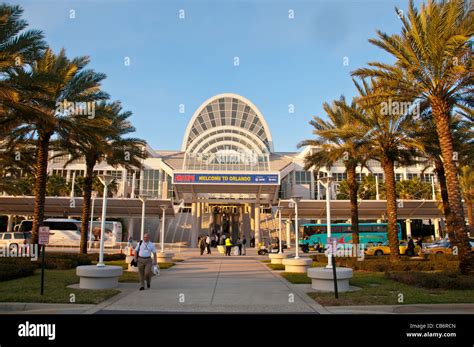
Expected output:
(143, 253)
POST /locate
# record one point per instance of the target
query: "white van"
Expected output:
(67, 232)
(112, 234)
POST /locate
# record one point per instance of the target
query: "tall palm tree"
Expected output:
(463, 142)
(338, 138)
(467, 187)
(101, 139)
(49, 82)
(17, 45)
(386, 136)
(433, 63)
(17, 48)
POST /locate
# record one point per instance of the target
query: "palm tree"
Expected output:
(338, 139)
(463, 142)
(17, 48)
(433, 63)
(467, 187)
(386, 136)
(17, 45)
(413, 189)
(101, 138)
(48, 83)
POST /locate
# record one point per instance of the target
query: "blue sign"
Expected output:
(192, 178)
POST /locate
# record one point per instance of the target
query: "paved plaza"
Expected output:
(214, 284)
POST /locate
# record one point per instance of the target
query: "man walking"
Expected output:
(244, 245)
(143, 253)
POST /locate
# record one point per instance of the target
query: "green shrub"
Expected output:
(107, 257)
(383, 264)
(10, 271)
(434, 280)
(64, 261)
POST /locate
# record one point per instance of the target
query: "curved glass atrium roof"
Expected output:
(227, 132)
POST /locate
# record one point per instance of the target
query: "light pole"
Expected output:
(105, 180)
(295, 200)
(163, 208)
(93, 196)
(280, 248)
(143, 198)
(326, 182)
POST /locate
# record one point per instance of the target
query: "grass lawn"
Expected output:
(378, 290)
(27, 289)
(276, 266)
(296, 278)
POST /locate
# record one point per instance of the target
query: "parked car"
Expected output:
(14, 239)
(384, 248)
(439, 248)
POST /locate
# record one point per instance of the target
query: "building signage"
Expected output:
(193, 178)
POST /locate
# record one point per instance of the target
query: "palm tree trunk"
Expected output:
(86, 204)
(470, 217)
(441, 112)
(353, 188)
(40, 184)
(445, 200)
(391, 195)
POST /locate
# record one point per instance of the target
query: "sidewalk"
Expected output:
(215, 284)
(404, 309)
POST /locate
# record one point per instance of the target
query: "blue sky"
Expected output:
(177, 61)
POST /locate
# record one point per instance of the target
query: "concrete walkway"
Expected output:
(214, 284)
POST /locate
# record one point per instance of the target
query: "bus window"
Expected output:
(346, 229)
(336, 229)
(379, 228)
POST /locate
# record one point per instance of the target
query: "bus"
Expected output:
(370, 234)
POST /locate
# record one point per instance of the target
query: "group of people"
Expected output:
(205, 242)
(411, 245)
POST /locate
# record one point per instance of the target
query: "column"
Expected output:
(123, 193)
(437, 233)
(10, 223)
(258, 236)
(252, 219)
(311, 186)
(131, 226)
(408, 227)
(194, 231)
(160, 183)
(288, 233)
(318, 190)
(199, 217)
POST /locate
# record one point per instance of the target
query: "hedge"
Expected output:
(64, 261)
(16, 267)
(434, 280)
(383, 264)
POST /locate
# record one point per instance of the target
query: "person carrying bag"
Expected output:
(144, 261)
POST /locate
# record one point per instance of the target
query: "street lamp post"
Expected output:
(105, 180)
(295, 200)
(93, 195)
(280, 248)
(326, 182)
(163, 208)
(143, 198)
